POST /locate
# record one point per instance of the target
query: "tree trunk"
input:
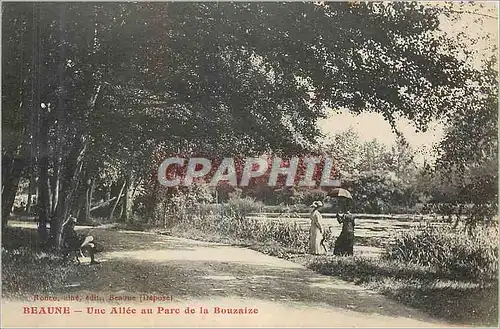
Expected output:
(31, 190)
(71, 169)
(15, 153)
(80, 205)
(7, 160)
(85, 197)
(88, 198)
(122, 206)
(10, 186)
(51, 196)
(117, 200)
(27, 209)
(55, 182)
(16, 156)
(102, 204)
(165, 214)
(127, 200)
(77, 139)
(43, 198)
(43, 201)
(108, 193)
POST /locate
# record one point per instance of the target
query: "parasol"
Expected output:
(340, 192)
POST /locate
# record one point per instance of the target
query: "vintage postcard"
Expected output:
(249, 164)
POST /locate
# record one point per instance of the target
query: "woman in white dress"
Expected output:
(316, 231)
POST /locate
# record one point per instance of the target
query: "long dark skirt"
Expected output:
(344, 245)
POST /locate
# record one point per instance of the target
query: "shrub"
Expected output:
(453, 252)
(167, 206)
(237, 206)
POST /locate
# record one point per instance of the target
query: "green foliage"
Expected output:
(449, 251)
(286, 234)
(381, 192)
(366, 270)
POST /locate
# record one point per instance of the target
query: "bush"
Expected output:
(237, 206)
(453, 252)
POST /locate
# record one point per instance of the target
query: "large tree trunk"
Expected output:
(71, 169)
(14, 161)
(77, 134)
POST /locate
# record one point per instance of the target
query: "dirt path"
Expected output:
(199, 274)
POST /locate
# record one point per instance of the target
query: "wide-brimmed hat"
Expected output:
(316, 204)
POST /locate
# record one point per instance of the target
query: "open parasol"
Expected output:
(340, 192)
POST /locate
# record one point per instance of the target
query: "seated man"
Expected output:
(78, 243)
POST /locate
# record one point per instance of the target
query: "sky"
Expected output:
(373, 125)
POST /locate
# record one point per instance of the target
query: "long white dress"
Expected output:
(315, 235)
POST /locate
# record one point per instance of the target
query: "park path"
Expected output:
(201, 274)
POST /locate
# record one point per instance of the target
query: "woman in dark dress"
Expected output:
(345, 242)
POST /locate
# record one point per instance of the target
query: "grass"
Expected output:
(472, 255)
(27, 268)
(419, 287)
